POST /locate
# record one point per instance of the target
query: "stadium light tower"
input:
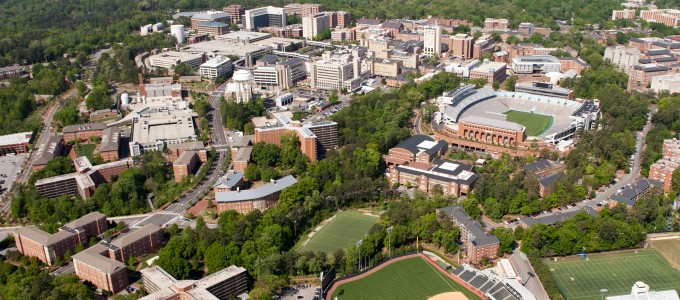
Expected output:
(603, 291)
(359, 247)
(389, 240)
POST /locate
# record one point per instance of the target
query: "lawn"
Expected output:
(346, 229)
(86, 150)
(617, 272)
(669, 249)
(409, 279)
(535, 123)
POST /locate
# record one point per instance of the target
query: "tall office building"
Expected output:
(462, 45)
(265, 17)
(314, 25)
(432, 40)
(235, 11)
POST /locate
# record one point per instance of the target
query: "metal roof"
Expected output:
(481, 237)
(256, 193)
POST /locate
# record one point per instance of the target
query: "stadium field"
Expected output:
(344, 230)
(669, 249)
(535, 123)
(408, 279)
(583, 279)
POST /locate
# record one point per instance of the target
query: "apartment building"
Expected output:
(339, 19)
(641, 75)
(346, 34)
(260, 198)
(209, 16)
(633, 192)
(526, 28)
(185, 165)
(235, 12)
(12, 71)
(48, 151)
(264, 17)
(491, 24)
(305, 9)
(668, 17)
(623, 14)
(315, 138)
(48, 248)
(175, 150)
(15, 143)
(478, 243)
(313, 25)
(662, 170)
(102, 264)
(432, 40)
(461, 45)
(83, 182)
(159, 284)
(216, 67)
(83, 131)
(625, 58)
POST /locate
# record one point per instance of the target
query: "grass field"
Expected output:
(344, 230)
(86, 150)
(670, 250)
(535, 123)
(617, 272)
(409, 279)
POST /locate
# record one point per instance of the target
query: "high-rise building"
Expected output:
(462, 45)
(330, 75)
(307, 9)
(314, 25)
(340, 19)
(432, 40)
(623, 14)
(265, 17)
(235, 11)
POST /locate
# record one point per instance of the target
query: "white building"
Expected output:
(265, 17)
(330, 75)
(284, 99)
(154, 128)
(314, 25)
(266, 77)
(216, 67)
(535, 64)
(171, 59)
(241, 89)
(625, 58)
(146, 29)
(432, 40)
(668, 82)
(177, 30)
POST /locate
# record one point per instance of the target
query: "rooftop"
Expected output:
(110, 139)
(169, 125)
(481, 237)
(17, 138)
(138, 234)
(229, 180)
(48, 150)
(421, 142)
(256, 193)
(184, 158)
(101, 263)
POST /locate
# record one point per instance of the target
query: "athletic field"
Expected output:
(617, 272)
(535, 123)
(344, 230)
(669, 249)
(409, 279)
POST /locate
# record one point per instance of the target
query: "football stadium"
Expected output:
(487, 120)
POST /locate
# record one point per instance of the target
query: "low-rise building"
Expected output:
(15, 143)
(12, 71)
(48, 248)
(216, 67)
(260, 198)
(544, 89)
(212, 28)
(668, 82)
(478, 243)
(492, 24)
(48, 151)
(170, 59)
(641, 75)
(454, 178)
(384, 67)
(629, 195)
(230, 181)
(662, 170)
(230, 281)
(209, 16)
(83, 131)
(490, 71)
(535, 64)
(185, 165)
(417, 148)
(83, 182)
(110, 147)
(153, 129)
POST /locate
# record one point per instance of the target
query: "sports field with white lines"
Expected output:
(345, 230)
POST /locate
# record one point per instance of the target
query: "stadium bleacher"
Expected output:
(490, 285)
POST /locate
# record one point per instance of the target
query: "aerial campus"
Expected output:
(499, 150)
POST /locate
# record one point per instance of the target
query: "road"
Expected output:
(175, 210)
(416, 123)
(45, 133)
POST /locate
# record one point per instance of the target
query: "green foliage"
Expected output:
(236, 115)
(324, 35)
(33, 283)
(57, 166)
(99, 97)
(184, 70)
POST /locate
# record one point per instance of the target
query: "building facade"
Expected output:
(264, 17)
(432, 40)
(478, 243)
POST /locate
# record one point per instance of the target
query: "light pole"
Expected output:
(603, 291)
(359, 247)
(295, 227)
(389, 241)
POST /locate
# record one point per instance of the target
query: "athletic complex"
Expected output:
(511, 122)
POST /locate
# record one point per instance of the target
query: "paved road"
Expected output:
(175, 210)
(45, 133)
(416, 124)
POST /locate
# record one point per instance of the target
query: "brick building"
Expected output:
(33, 242)
(455, 178)
(48, 151)
(490, 71)
(15, 143)
(235, 12)
(662, 170)
(260, 198)
(477, 242)
(83, 131)
(109, 149)
(491, 131)
(230, 181)
(269, 131)
(175, 150)
(213, 28)
(84, 181)
(185, 165)
(417, 148)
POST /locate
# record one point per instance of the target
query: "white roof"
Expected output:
(427, 144)
(216, 62)
(660, 295)
(17, 138)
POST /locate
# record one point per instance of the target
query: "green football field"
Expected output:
(409, 279)
(346, 229)
(617, 272)
(535, 123)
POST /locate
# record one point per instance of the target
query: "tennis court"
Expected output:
(344, 230)
(614, 271)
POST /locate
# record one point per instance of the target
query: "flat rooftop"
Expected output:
(243, 36)
(17, 138)
(182, 56)
(490, 67)
(224, 48)
(176, 124)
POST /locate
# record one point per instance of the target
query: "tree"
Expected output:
(510, 83)
(183, 69)
(252, 172)
(507, 239)
(496, 84)
(333, 97)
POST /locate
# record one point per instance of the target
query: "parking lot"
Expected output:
(9, 166)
